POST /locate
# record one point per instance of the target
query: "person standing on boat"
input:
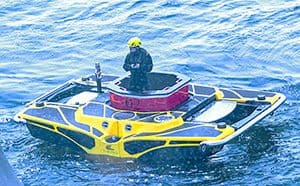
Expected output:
(139, 63)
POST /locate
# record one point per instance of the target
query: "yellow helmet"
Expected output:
(134, 42)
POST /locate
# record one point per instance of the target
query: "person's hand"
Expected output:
(135, 66)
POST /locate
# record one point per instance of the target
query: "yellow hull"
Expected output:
(96, 128)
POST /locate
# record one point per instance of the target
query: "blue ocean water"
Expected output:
(246, 44)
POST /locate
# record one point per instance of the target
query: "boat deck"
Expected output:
(75, 114)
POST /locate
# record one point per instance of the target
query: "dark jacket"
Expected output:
(140, 56)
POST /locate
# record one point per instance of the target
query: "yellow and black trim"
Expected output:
(97, 128)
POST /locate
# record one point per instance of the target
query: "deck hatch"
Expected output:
(93, 109)
(200, 131)
(46, 113)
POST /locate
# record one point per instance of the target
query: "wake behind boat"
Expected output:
(100, 115)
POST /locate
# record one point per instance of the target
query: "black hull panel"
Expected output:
(53, 137)
(179, 154)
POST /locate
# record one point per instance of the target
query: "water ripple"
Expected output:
(242, 44)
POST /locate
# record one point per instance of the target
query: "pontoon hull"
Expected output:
(75, 115)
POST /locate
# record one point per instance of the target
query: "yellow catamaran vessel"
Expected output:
(98, 115)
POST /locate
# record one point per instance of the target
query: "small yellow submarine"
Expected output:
(98, 115)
